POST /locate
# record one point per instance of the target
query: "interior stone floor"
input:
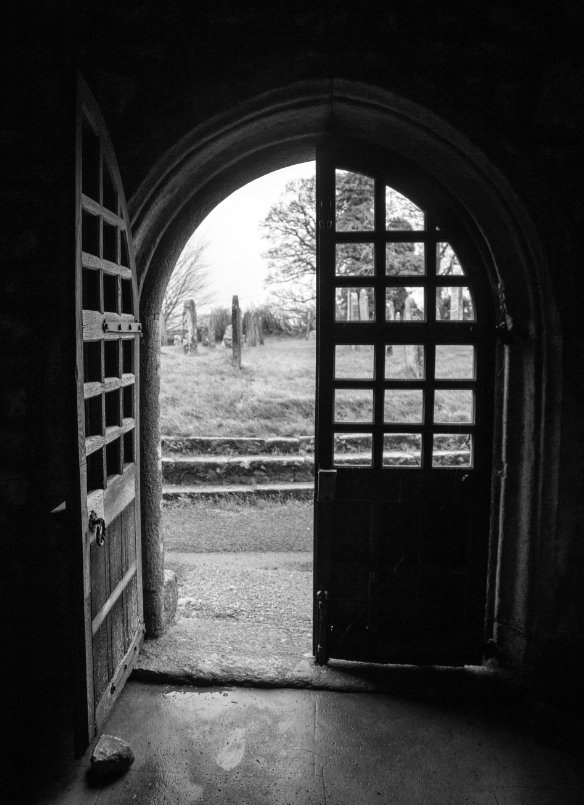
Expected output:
(300, 747)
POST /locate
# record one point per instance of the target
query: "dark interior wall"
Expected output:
(509, 78)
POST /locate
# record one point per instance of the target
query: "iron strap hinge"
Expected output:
(122, 327)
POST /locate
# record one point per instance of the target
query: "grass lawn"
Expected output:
(273, 393)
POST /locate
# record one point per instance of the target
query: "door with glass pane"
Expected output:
(404, 419)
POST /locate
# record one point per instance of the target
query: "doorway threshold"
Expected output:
(179, 658)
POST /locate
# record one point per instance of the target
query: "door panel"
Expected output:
(404, 420)
(108, 419)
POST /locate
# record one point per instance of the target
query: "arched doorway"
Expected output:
(281, 128)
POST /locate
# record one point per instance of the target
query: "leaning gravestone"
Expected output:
(228, 337)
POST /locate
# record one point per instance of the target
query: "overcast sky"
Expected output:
(236, 263)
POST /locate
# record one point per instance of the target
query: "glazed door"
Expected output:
(108, 343)
(404, 421)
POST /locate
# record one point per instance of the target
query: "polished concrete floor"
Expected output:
(253, 747)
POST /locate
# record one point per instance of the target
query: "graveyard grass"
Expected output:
(273, 393)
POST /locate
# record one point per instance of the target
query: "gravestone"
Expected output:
(237, 336)
(189, 322)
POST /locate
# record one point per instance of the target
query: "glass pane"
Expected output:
(355, 304)
(400, 212)
(405, 405)
(353, 201)
(402, 450)
(452, 450)
(353, 405)
(454, 361)
(405, 304)
(453, 405)
(353, 450)
(454, 304)
(404, 361)
(354, 362)
(446, 260)
(354, 259)
(404, 259)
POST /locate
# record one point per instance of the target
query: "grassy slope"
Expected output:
(273, 393)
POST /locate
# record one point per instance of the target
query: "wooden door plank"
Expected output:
(116, 593)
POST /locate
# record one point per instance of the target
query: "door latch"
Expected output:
(97, 524)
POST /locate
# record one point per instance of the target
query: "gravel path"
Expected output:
(245, 588)
(211, 527)
(253, 588)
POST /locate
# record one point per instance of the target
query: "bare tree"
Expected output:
(290, 228)
(191, 279)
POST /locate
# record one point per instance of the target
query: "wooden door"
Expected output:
(405, 398)
(108, 341)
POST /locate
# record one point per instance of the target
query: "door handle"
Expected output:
(327, 481)
(97, 524)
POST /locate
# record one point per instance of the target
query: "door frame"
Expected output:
(281, 128)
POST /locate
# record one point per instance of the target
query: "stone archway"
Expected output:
(281, 128)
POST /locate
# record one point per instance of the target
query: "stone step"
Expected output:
(230, 446)
(177, 446)
(296, 491)
(246, 470)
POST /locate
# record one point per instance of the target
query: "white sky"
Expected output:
(235, 262)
